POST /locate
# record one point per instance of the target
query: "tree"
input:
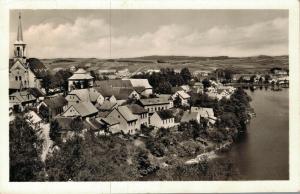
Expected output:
(164, 88)
(61, 79)
(54, 132)
(76, 125)
(44, 112)
(47, 81)
(24, 151)
(186, 75)
(177, 101)
(206, 83)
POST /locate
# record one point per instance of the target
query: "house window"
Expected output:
(25, 82)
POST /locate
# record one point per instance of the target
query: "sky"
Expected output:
(133, 33)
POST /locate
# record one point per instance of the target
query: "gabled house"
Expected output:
(155, 104)
(85, 95)
(53, 105)
(190, 116)
(184, 97)
(81, 109)
(162, 119)
(19, 100)
(128, 122)
(140, 112)
(207, 113)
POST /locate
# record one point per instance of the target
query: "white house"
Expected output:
(81, 109)
(207, 113)
(85, 95)
(162, 119)
(184, 97)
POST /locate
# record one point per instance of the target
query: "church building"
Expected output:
(24, 73)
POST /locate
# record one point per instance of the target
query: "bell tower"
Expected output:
(19, 45)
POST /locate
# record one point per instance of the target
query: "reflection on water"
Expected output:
(262, 154)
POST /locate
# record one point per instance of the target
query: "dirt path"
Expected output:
(45, 128)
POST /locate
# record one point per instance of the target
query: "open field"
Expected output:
(242, 64)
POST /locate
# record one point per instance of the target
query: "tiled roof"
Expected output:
(37, 67)
(109, 120)
(188, 116)
(136, 109)
(118, 83)
(105, 91)
(126, 113)
(36, 92)
(107, 105)
(140, 83)
(165, 114)
(153, 101)
(23, 96)
(64, 122)
(56, 102)
(85, 108)
(183, 94)
(80, 74)
(89, 94)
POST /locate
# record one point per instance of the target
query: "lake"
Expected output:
(263, 153)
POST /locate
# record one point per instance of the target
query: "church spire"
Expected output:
(20, 33)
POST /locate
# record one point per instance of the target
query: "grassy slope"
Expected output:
(244, 64)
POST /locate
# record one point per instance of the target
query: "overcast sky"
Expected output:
(86, 33)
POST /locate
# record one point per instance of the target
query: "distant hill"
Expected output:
(258, 63)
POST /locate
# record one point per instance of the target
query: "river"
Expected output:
(263, 153)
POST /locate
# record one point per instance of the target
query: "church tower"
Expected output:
(19, 45)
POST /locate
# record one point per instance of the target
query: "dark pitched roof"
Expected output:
(107, 105)
(105, 91)
(136, 109)
(165, 114)
(139, 89)
(56, 102)
(37, 67)
(122, 93)
(154, 101)
(64, 122)
(188, 116)
(118, 83)
(36, 92)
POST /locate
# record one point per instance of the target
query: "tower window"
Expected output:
(16, 78)
(20, 78)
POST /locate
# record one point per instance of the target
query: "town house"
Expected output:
(162, 119)
(53, 105)
(128, 122)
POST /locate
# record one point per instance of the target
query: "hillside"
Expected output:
(243, 64)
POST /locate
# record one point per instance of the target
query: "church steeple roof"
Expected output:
(20, 33)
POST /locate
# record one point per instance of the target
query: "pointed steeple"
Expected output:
(20, 33)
